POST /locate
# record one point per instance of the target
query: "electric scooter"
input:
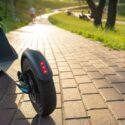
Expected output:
(36, 80)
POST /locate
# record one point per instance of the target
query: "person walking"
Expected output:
(32, 14)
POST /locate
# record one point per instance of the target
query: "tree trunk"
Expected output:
(92, 7)
(112, 11)
(13, 10)
(99, 12)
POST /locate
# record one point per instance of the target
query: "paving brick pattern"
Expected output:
(89, 79)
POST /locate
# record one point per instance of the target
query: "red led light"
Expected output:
(43, 68)
(42, 63)
(45, 72)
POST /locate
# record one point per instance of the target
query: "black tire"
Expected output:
(43, 95)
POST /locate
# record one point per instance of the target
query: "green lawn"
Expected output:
(22, 10)
(114, 39)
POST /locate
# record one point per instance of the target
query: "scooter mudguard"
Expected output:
(39, 64)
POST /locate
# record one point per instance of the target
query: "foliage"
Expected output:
(121, 9)
(22, 10)
(114, 39)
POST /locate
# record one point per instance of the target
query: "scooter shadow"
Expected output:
(14, 109)
(38, 120)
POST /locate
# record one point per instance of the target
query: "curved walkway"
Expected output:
(89, 79)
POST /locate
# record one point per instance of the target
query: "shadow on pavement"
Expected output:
(37, 120)
(14, 108)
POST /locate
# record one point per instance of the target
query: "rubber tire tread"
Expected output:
(47, 93)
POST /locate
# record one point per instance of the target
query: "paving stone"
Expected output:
(81, 59)
(75, 66)
(84, 64)
(49, 57)
(60, 59)
(90, 69)
(57, 87)
(69, 58)
(117, 109)
(56, 79)
(102, 83)
(95, 61)
(123, 96)
(115, 79)
(59, 105)
(62, 64)
(54, 119)
(51, 61)
(122, 74)
(74, 109)
(118, 69)
(88, 89)
(25, 98)
(66, 75)
(101, 117)
(110, 94)
(110, 64)
(121, 122)
(11, 101)
(78, 72)
(6, 116)
(95, 75)
(107, 71)
(2, 94)
(23, 122)
(64, 69)
(5, 81)
(26, 110)
(13, 89)
(55, 72)
(100, 66)
(72, 60)
(121, 64)
(53, 66)
(77, 122)
(82, 79)
(120, 88)
(94, 101)
(57, 117)
(70, 94)
(68, 83)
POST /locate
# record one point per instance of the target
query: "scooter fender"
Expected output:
(35, 58)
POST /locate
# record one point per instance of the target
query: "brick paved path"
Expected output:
(89, 79)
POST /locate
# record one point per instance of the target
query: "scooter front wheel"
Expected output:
(42, 93)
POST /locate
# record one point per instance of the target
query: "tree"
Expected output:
(97, 12)
(13, 4)
(112, 11)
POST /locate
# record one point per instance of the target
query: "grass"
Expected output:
(22, 10)
(114, 39)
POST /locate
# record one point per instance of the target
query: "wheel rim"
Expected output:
(34, 94)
